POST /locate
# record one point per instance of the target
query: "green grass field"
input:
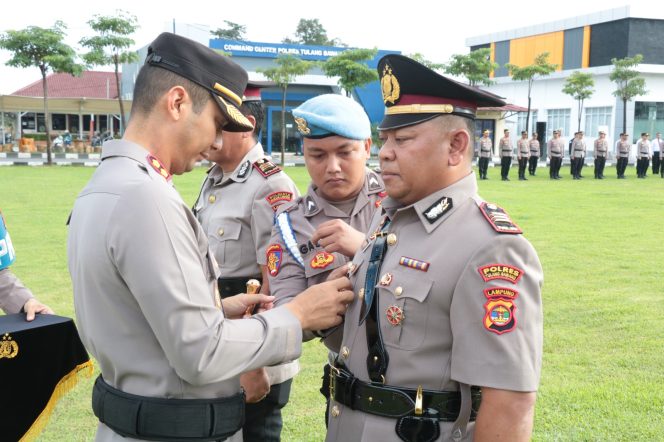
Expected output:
(601, 244)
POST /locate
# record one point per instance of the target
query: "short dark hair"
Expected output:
(257, 110)
(152, 82)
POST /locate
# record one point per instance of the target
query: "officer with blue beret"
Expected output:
(322, 230)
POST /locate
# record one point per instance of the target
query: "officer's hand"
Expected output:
(323, 305)
(32, 306)
(337, 236)
(236, 306)
(256, 384)
(339, 272)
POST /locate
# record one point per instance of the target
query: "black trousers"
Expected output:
(523, 162)
(263, 419)
(599, 167)
(532, 165)
(483, 165)
(642, 166)
(621, 166)
(576, 167)
(505, 163)
(655, 162)
(554, 167)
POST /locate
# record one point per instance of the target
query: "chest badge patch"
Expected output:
(394, 315)
(438, 209)
(274, 254)
(499, 315)
(322, 260)
(386, 279)
(500, 271)
(414, 263)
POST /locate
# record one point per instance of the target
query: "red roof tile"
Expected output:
(91, 84)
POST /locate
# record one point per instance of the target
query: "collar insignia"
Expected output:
(389, 85)
(374, 184)
(311, 205)
(244, 170)
(302, 126)
(438, 209)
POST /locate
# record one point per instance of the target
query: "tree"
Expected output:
(430, 64)
(311, 32)
(579, 86)
(233, 32)
(110, 46)
(43, 48)
(288, 67)
(540, 67)
(629, 84)
(476, 66)
(349, 68)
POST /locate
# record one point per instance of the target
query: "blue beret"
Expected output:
(332, 114)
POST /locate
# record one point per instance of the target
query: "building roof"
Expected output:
(91, 84)
(506, 108)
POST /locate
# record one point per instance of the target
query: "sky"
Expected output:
(436, 29)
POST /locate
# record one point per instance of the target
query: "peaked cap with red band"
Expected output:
(413, 93)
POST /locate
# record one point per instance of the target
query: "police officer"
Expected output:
(657, 147)
(144, 279)
(505, 147)
(523, 150)
(486, 150)
(14, 296)
(236, 207)
(535, 153)
(578, 155)
(622, 154)
(428, 321)
(643, 156)
(601, 149)
(556, 149)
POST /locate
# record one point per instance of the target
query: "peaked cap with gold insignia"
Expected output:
(413, 93)
(225, 79)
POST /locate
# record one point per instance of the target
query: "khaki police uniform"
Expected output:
(505, 148)
(13, 294)
(622, 151)
(535, 153)
(657, 149)
(486, 147)
(578, 154)
(556, 148)
(145, 295)
(455, 295)
(601, 149)
(643, 159)
(523, 148)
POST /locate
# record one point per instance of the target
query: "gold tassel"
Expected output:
(68, 382)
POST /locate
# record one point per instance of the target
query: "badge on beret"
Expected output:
(274, 254)
(394, 315)
(499, 219)
(302, 125)
(322, 260)
(499, 310)
(276, 199)
(266, 167)
(438, 209)
(389, 85)
(156, 165)
(244, 169)
(414, 263)
(500, 271)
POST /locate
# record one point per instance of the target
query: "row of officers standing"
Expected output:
(529, 151)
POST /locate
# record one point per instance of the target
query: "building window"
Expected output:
(521, 123)
(648, 117)
(557, 119)
(598, 118)
(59, 121)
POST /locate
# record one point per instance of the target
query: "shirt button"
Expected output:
(221, 232)
(212, 199)
(391, 239)
(345, 352)
(360, 294)
(398, 291)
(335, 411)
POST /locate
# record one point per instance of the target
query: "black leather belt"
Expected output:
(233, 286)
(164, 419)
(387, 401)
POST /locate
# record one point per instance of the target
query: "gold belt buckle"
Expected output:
(418, 401)
(334, 371)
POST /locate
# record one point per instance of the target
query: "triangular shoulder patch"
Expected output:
(498, 218)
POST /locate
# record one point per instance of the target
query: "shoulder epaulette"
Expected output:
(498, 218)
(266, 167)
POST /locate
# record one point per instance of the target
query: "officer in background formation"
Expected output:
(600, 152)
(657, 147)
(236, 207)
(505, 147)
(578, 155)
(535, 154)
(485, 153)
(556, 149)
(14, 296)
(144, 279)
(643, 156)
(523, 150)
(622, 154)
(444, 339)
(322, 230)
